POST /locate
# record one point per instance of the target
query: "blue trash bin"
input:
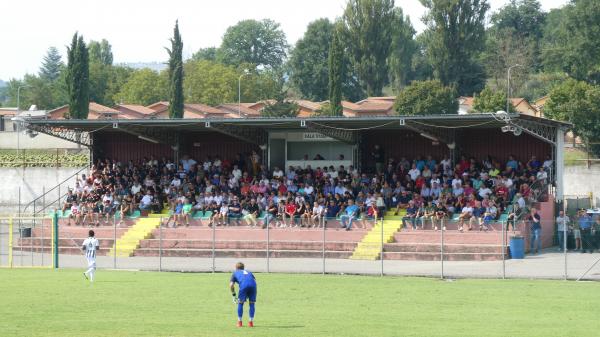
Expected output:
(517, 247)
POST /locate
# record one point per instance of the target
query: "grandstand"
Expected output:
(146, 171)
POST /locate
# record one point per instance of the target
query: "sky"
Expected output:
(139, 30)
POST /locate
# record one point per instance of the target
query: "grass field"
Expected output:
(120, 303)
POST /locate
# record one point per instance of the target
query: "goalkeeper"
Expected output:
(247, 290)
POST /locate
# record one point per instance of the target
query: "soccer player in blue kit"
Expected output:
(247, 290)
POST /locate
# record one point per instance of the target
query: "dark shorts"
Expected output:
(247, 293)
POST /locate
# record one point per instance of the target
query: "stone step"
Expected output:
(435, 248)
(246, 253)
(275, 245)
(447, 257)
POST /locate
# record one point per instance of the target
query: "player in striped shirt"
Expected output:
(90, 246)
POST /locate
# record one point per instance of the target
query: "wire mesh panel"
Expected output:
(25, 242)
(414, 247)
(5, 242)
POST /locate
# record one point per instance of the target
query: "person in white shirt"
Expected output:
(466, 214)
(277, 173)
(414, 172)
(484, 191)
(146, 202)
(542, 175)
(136, 188)
(237, 173)
(176, 182)
(90, 246)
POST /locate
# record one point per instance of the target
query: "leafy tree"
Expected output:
(368, 29)
(335, 75)
(456, 37)
(426, 98)
(308, 60)
(210, 83)
(505, 49)
(144, 86)
(51, 65)
(77, 78)
(176, 74)
(281, 107)
(572, 40)
(100, 52)
(261, 43)
(403, 49)
(208, 54)
(577, 102)
(489, 100)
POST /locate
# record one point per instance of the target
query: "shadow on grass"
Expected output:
(279, 326)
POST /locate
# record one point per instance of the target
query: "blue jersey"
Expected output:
(244, 279)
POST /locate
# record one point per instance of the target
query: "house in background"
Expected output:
(97, 111)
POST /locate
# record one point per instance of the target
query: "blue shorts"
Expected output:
(247, 293)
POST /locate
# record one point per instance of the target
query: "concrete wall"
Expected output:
(581, 181)
(31, 183)
(8, 140)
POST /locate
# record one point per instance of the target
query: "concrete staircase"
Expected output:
(130, 241)
(369, 248)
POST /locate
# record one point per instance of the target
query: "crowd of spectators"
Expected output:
(241, 189)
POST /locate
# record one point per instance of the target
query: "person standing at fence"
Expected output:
(535, 227)
(585, 225)
(562, 226)
(90, 246)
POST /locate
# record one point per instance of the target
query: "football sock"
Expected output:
(91, 273)
(240, 311)
(251, 312)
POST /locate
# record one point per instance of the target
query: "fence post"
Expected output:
(214, 226)
(55, 239)
(267, 218)
(160, 245)
(442, 230)
(10, 242)
(323, 257)
(42, 229)
(381, 248)
(504, 224)
(58, 206)
(565, 238)
(114, 242)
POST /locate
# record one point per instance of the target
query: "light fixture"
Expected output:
(451, 146)
(429, 137)
(263, 147)
(517, 131)
(148, 139)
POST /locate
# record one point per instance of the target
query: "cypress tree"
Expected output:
(176, 75)
(335, 75)
(78, 78)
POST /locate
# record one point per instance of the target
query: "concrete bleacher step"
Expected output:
(435, 248)
(130, 240)
(369, 248)
(246, 253)
(274, 245)
(430, 256)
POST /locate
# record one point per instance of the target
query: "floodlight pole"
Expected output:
(19, 119)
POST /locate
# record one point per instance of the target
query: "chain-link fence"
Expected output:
(534, 244)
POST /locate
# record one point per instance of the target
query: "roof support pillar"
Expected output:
(559, 149)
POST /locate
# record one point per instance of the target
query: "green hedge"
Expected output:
(43, 160)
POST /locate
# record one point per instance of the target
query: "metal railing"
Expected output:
(46, 192)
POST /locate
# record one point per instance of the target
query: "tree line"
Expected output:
(372, 49)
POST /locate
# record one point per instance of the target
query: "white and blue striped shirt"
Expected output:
(91, 244)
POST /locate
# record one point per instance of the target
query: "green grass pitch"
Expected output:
(120, 303)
